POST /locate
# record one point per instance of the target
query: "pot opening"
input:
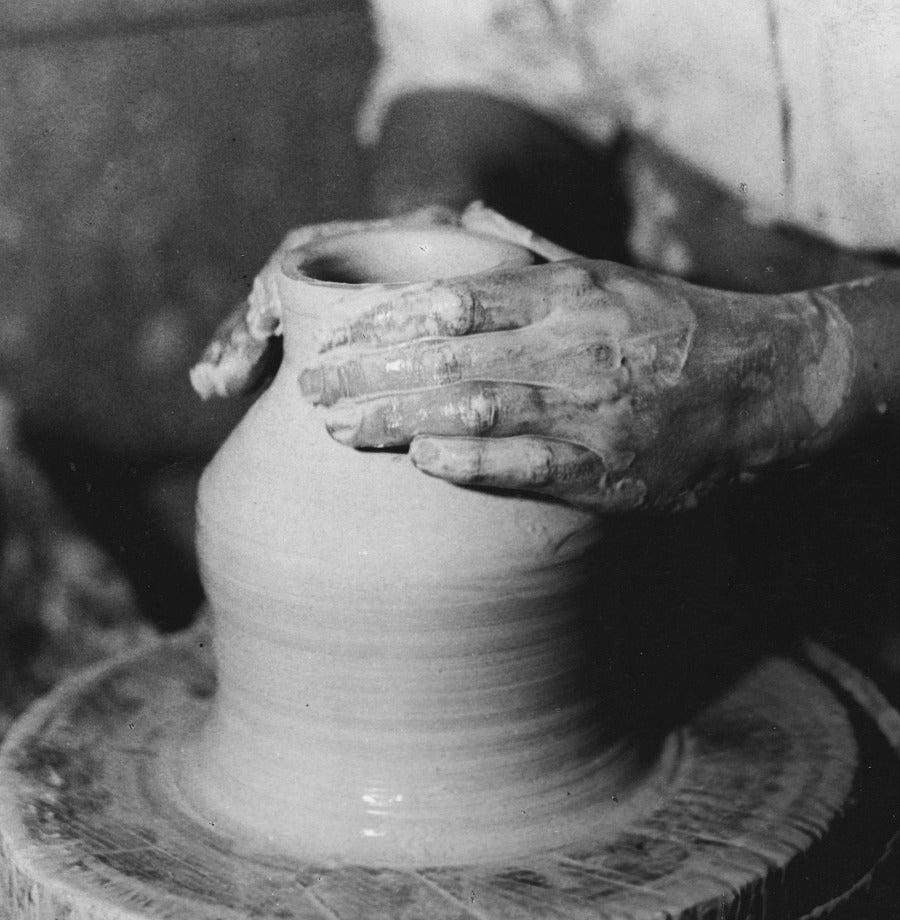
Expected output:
(401, 256)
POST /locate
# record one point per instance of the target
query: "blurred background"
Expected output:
(152, 153)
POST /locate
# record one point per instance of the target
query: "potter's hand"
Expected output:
(604, 386)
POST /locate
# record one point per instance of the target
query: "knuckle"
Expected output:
(465, 313)
(480, 411)
(443, 366)
(469, 465)
(540, 463)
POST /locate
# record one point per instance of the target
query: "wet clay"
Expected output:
(409, 672)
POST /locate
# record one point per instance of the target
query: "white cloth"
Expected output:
(794, 105)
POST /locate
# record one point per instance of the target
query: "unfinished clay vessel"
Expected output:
(409, 672)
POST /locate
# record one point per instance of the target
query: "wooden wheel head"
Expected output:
(93, 825)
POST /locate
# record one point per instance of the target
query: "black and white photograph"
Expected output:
(449, 459)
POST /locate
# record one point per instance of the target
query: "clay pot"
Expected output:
(409, 672)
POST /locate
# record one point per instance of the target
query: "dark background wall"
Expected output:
(152, 153)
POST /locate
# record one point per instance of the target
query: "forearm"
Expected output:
(801, 371)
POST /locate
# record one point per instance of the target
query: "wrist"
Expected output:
(871, 308)
(830, 386)
(787, 371)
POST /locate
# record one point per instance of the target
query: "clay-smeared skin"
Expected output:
(571, 369)
(610, 388)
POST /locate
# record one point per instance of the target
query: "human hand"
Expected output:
(551, 378)
(609, 388)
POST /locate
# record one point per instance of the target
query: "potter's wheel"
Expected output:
(756, 812)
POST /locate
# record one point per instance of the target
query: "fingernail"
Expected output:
(343, 423)
(424, 453)
(312, 380)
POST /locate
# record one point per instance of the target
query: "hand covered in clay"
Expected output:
(610, 388)
(604, 386)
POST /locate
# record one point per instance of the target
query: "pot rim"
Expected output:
(298, 258)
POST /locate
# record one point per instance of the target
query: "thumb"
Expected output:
(234, 360)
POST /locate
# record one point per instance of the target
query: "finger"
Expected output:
(524, 462)
(481, 219)
(234, 360)
(489, 302)
(544, 466)
(437, 309)
(572, 354)
(474, 409)
(428, 363)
